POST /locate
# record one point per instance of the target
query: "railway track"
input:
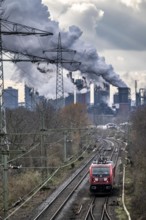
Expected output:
(89, 214)
(102, 210)
(105, 215)
(98, 206)
(53, 207)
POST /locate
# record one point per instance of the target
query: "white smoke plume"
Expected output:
(35, 14)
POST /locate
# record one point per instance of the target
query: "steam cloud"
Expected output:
(35, 14)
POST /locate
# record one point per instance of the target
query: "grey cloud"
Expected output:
(34, 13)
(122, 27)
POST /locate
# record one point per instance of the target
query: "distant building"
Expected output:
(102, 94)
(21, 104)
(10, 98)
(116, 98)
(141, 97)
(28, 93)
(32, 98)
(122, 101)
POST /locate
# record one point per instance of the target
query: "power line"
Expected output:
(12, 28)
(9, 28)
(60, 102)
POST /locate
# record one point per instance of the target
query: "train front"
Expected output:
(101, 178)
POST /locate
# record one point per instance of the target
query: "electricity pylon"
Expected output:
(60, 101)
(9, 28)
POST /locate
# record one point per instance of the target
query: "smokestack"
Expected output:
(75, 94)
(92, 94)
(91, 62)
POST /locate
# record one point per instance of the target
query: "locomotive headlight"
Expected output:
(96, 179)
(105, 179)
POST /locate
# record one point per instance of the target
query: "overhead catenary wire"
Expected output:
(59, 167)
(45, 157)
(34, 193)
(48, 167)
(37, 189)
(4, 140)
(34, 147)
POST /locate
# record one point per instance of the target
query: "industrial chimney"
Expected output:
(91, 93)
(75, 94)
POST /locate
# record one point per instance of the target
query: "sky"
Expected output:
(110, 38)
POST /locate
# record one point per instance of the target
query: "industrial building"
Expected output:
(90, 95)
(122, 101)
(141, 97)
(10, 98)
(32, 98)
(95, 98)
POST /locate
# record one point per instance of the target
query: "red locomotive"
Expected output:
(102, 176)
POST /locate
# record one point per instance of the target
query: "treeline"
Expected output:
(137, 150)
(23, 125)
(37, 141)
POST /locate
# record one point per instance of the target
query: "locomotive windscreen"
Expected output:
(100, 171)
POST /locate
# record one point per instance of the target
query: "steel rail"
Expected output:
(51, 203)
(48, 205)
(68, 197)
(90, 210)
(104, 212)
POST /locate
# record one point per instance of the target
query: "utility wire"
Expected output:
(37, 189)
(22, 155)
(34, 193)
(38, 167)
